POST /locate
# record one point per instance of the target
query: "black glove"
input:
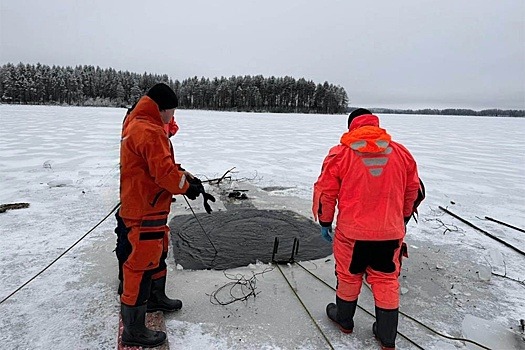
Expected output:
(195, 188)
(207, 197)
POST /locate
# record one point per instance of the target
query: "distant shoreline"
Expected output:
(512, 113)
(498, 113)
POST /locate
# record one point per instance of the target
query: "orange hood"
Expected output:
(147, 109)
(365, 135)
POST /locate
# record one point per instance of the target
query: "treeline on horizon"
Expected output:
(94, 86)
(454, 111)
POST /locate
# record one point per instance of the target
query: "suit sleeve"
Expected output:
(411, 189)
(326, 190)
(161, 165)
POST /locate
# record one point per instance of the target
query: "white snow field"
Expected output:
(64, 162)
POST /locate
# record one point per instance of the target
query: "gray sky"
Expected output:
(385, 53)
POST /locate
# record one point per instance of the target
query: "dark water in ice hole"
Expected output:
(243, 236)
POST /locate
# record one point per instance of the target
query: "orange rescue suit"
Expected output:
(374, 183)
(149, 177)
(148, 173)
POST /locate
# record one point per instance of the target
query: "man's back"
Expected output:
(373, 179)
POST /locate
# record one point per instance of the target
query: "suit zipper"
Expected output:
(156, 198)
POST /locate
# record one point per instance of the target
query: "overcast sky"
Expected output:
(403, 54)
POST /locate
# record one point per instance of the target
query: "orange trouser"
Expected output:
(149, 249)
(379, 260)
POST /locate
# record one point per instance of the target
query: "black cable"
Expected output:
(246, 287)
(61, 255)
(306, 309)
(404, 314)
(359, 306)
(199, 222)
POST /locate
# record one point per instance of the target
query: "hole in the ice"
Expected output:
(242, 237)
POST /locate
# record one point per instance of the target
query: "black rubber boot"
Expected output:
(342, 313)
(385, 327)
(135, 332)
(158, 301)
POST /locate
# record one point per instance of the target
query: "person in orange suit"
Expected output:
(374, 183)
(149, 177)
(123, 247)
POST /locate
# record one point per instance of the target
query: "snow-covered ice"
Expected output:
(64, 162)
(488, 333)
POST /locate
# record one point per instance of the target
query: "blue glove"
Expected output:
(326, 232)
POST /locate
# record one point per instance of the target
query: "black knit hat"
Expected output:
(164, 96)
(356, 113)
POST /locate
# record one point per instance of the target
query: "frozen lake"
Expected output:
(64, 162)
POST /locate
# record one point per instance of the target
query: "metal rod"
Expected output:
(482, 231)
(505, 224)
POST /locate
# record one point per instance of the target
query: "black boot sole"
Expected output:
(144, 345)
(163, 309)
(344, 330)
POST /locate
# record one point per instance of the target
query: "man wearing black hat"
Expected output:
(374, 183)
(149, 177)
